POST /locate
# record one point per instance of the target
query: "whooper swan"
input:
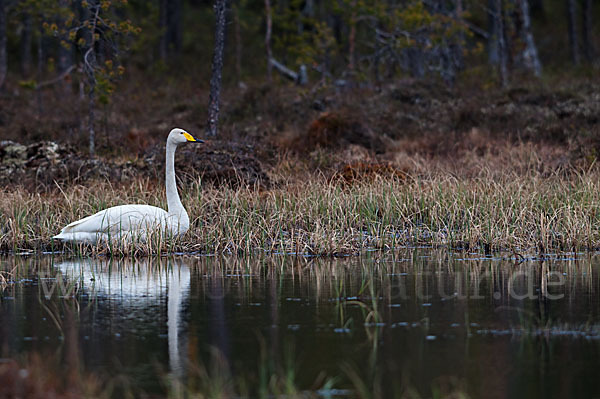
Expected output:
(136, 221)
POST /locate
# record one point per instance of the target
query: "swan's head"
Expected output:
(179, 136)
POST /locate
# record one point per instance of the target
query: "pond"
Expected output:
(413, 323)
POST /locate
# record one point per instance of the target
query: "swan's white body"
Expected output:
(137, 222)
(130, 222)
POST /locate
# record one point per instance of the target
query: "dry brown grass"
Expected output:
(506, 201)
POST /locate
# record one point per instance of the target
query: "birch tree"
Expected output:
(530, 54)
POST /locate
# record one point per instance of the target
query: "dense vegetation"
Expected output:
(92, 56)
(467, 112)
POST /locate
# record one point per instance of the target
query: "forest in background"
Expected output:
(368, 71)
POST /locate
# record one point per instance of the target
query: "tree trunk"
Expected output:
(586, 37)
(89, 68)
(352, 41)
(64, 53)
(537, 9)
(170, 25)
(269, 22)
(493, 32)
(25, 46)
(502, 53)
(3, 55)
(175, 26)
(162, 25)
(238, 45)
(530, 54)
(456, 49)
(415, 59)
(309, 9)
(217, 67)
(40, 68)
(91, 117)
(573, 40)
(90, 64)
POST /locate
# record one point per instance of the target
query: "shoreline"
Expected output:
(529, 213)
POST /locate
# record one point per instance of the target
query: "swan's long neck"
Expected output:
(173, 202)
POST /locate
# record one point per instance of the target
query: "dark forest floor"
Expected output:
(408, 126)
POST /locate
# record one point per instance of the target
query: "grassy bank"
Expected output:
(488, 169)
(485, 211)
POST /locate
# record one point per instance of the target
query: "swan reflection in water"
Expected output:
(138, 285)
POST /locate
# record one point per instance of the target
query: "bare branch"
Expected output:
(59, 78)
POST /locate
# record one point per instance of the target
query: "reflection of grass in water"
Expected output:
(531, 324)
(280, 381)
(5, 276)
(62, 375)
(397, 276)
(332, 278)
(37, 376)
(376, 387)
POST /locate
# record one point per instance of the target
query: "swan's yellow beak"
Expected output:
(189, 137)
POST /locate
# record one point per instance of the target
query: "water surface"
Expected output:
(417, 321)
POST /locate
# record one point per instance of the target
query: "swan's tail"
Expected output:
(90, 238)
(60, 236)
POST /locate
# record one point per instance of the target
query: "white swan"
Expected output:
(135, 222)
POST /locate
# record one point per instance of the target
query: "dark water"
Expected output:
(418, 322)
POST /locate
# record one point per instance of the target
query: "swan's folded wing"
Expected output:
(72, 226)
(119, 219)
